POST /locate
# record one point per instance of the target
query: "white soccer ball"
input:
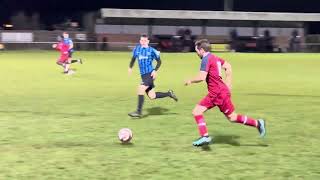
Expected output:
(125, 135)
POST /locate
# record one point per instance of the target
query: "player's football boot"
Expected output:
(70, 72)
(80, 61)
(172, 95)
(204, 140)
(135, 114)
(262, 127)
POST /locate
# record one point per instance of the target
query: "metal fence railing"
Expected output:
(87, 46)
(128, 46)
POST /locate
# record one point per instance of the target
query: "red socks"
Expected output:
(202, 127)
(246, 121)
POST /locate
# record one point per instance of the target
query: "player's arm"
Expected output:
(228, 71)
(156, 55)
(154, 73)
(202, 75)
(199, 78)
(133, 59)
(158, 64)
(56, 47)
(71, 44)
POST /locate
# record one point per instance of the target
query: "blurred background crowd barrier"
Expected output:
(176, 31)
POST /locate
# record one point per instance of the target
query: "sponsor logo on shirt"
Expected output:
(143, 57)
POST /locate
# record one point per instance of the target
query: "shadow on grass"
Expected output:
(256, 145)
(46, 113)
(77, 144)
(226, 139)
(281, 95)
(129, 144)
(72, 69)
(206, 148)
(63, 145)
(233, 141)
(157, 111)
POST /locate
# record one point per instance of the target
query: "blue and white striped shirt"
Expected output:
(145, 56)
(68, 41)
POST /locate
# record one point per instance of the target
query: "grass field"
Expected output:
(54, 126)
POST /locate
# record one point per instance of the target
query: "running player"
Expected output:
(146, 55)
(218, 95)
(68, 41)
(64, 56)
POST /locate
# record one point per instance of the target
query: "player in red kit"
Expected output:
(64, 56)
(218, 93)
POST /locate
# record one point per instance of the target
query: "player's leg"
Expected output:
(156, 95)
(152, 94)
(74, 60)
(141, 91)
(169, 94)
(67, 67)
(60, 64)
(228, 109)
(64, 64)
(197, 113)
(248, 121)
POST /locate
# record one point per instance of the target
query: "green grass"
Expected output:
(54, 126)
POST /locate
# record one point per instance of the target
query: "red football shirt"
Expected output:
(63, 48)
(212, 65)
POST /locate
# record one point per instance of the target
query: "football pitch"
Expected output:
(54, 126)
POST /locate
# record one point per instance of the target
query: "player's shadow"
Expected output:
(64, 145)
(44, 113)
(233, 141)
(206, 148)
(226, 139)
(157, 111)
(282, 95)
(68, 144)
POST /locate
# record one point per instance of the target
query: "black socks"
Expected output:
(162, 94)
(140, 103)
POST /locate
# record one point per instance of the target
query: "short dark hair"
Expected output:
(144, 36)
(203, 44)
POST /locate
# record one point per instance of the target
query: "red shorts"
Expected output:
(63, 59)
(222, 100)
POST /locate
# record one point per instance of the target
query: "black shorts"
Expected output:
(70, 54)
(147, 80)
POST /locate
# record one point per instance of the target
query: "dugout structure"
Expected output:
(127, 24)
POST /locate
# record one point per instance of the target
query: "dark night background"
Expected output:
(58, 10)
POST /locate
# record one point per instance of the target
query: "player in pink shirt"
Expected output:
(64, 59)
(64, 56)
(218, 93)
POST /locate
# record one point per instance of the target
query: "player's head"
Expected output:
(60, 38)
(202, 46)
(65, 35)
(144, 40)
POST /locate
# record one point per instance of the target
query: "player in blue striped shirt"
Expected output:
(145, 55)
(67, 40)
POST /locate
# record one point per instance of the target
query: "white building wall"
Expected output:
(196, 30)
